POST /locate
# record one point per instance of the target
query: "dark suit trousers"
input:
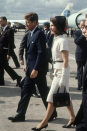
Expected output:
(15, 59)
(27, 89)
(1, 75)
(5, 65)
(81, 126)
(79, 120)
(80, 65)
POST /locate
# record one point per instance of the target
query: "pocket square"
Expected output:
(32, 42)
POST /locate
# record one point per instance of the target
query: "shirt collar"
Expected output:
(4, 27)
(55, 37)
(33, 31)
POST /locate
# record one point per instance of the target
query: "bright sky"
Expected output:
(16, 9)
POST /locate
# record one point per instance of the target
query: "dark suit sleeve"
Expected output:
(23, 45)
(41, 51)
(85, 78)
(10, 34)
(78, 38)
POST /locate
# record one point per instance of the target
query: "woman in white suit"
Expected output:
(60, 52)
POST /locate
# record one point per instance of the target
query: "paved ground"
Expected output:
(10, 95)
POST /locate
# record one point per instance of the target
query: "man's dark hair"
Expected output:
(31, 16)
(9, 22)
(82, 21)
(4, 18)
(47, 24)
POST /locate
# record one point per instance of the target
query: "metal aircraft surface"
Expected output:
(74, 19)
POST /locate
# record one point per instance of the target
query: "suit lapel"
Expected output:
(80, 31)
(30, 38)
(4, 31)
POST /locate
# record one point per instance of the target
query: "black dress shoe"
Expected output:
(38, 129)
(79, 88)
(2, 84)
(18, 117)
(68, 126)
(54, 115)
(18, 81)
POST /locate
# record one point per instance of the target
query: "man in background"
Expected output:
(13, 55)
(81, 117)
(6, 48)
(81, 52)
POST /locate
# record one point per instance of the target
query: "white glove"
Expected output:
(62, 82)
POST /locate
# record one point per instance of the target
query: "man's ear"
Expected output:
(34, 22)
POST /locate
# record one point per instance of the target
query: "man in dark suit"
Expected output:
(81, 117)
(81, 53)
(13, 55)
(46, 27)
(23, 46)
(6, 47)
(35, 66)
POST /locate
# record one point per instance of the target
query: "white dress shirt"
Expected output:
(4, 27)
(31, 32)
(3, 30)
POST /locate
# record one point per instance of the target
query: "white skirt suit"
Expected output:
(59, 43)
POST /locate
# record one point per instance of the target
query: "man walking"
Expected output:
(36, 68)
(13, 55)
(6, 47)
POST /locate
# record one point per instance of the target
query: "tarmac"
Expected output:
(10, 96)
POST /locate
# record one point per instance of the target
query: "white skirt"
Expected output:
(55, 84)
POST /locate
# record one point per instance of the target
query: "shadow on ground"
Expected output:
(7, 91)
(1, 102)
(73, 74)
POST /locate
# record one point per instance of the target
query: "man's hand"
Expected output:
(84, 32)
(86, 35)
(22, 62)
(24, 69)
(8, 57)
(34, 74)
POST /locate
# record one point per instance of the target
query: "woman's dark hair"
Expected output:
(58, 27)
